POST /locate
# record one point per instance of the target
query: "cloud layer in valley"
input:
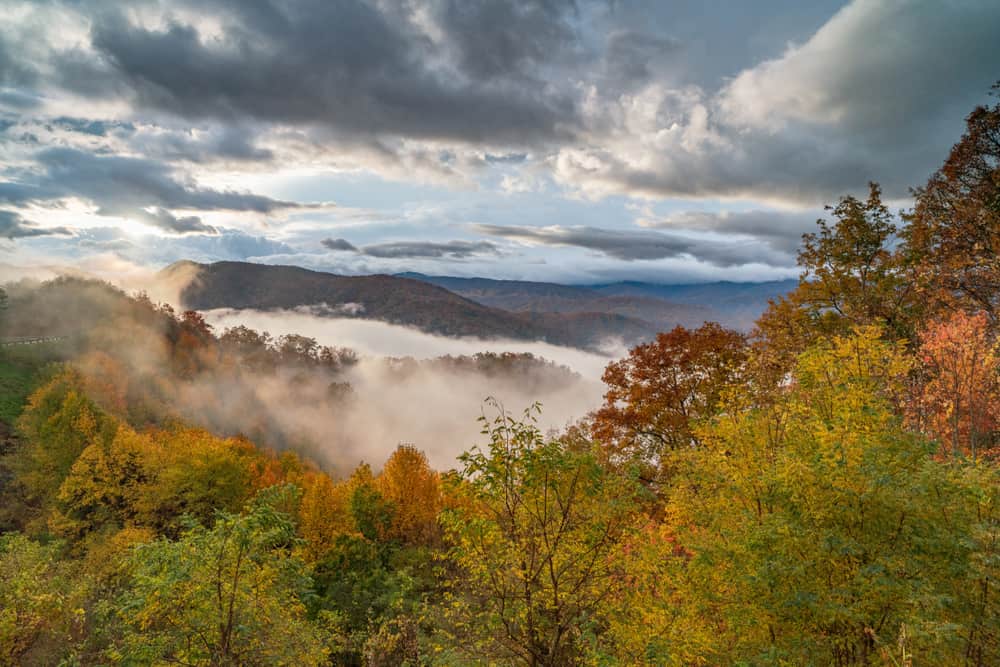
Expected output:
(431, 407)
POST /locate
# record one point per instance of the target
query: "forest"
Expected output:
(823, 490)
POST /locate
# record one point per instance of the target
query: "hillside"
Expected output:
(393, 299)
(664, 306)
(735, 304)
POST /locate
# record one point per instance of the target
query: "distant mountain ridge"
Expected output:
(392, 299)
(578, 316)
(733, 304)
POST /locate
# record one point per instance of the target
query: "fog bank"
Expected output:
(431, 407)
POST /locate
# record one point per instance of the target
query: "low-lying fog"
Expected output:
(432, 408)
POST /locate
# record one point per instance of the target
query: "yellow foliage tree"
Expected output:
(414, 489)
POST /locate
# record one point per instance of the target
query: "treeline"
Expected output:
(147, 364)
(822, 491)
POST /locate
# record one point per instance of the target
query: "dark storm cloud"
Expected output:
(339, 244)
(416, 249)
(13, 226)
(846, 106)
(631, 245)
(164, 219)
(231, 143)
(781, 230)
(114, 182)
(631, 55)
(502, 39)
(126, 186)
(349, 66)
(777, 101)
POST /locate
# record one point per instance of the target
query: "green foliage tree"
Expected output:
(232, 594)
(58, 423)
(41, 602)
(536, 528)
(853, 274)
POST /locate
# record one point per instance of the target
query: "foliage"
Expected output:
(58, 423)
(958, 400)
(660, 391)
(816, 531)
(854, 273)
(413, 489)
(40, 602)
(536, 533)
(954, 231)
(232, 594)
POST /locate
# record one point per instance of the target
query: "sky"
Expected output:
(570, 141)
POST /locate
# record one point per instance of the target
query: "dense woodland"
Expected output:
(821, 491)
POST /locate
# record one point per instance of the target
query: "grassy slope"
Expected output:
(20, 369)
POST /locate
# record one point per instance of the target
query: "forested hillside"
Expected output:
(736, 305)
(393, 299)
(823, 490)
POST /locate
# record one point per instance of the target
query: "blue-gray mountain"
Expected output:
(573, 315)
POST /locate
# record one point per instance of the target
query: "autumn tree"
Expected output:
(57, 424)
(828, 540)
(408, 482)
(41, 599)
(363, 577)
(536, 538)
(232, 594)
(853, 274)
(960, 392)
(659, 392)
(324, 513)
(954, 229)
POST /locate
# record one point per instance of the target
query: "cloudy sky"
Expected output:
(574, 141)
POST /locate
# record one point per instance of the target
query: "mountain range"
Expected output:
(584, 316)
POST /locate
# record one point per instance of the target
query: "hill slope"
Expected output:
(664, 306)
(393, 299)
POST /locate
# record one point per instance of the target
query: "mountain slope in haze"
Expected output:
(736, 305)
(664, 306)
(393, 299)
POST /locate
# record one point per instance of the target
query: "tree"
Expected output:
(252, 349)
(824, 540)
(853, 274)
(414, 489)
(40, 602)
(104, 485)
(659, 392)
(954, 229)
(959, 400)
(232, 594)
(58, 423)
(193, 473)
(324, 513)
(536, 533)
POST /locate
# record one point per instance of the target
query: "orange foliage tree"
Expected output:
(662, 388)
(954, 230)
(414, 488)
(958, 402)
(324, 513)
